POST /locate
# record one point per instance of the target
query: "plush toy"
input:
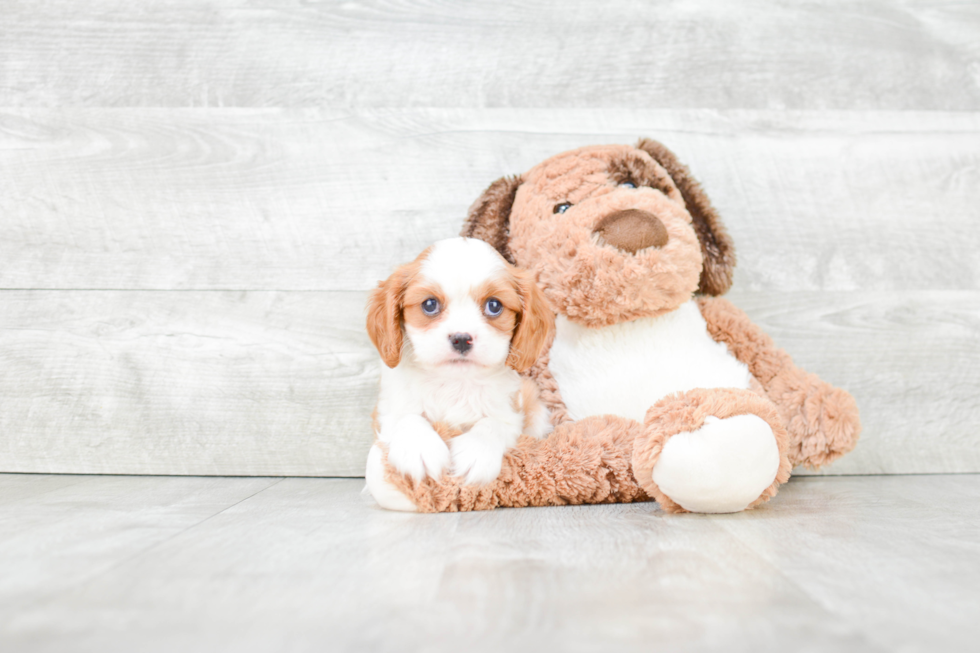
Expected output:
(657, 387)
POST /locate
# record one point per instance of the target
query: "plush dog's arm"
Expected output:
(822, 420)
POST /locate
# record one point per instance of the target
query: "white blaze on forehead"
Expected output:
(459, 264)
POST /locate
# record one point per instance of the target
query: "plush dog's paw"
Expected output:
(477, 455)
(415, 449)
(722, 467)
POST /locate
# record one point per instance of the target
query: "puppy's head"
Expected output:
(460, 305)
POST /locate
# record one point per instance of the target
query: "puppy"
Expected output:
(455, 328)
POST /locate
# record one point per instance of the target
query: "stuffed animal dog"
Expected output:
(657, 388)
(454, 329)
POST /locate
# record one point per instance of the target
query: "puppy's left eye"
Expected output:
(493, 307)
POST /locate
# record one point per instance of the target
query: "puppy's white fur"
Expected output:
(477, 391)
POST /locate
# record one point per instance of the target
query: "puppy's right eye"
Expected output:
(561, 208)
(431, 307)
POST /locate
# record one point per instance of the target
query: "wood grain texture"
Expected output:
(333, 200)
(283, 383)
(61, 532)
(760, 54)
(195, 197)
(831, 564)
(185, 383)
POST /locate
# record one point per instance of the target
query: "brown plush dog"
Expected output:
(656, 387)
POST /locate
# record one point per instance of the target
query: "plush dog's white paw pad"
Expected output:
(722, 467)
(386, 494)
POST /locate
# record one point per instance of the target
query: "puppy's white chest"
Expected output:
(461, 402)
(626, 368)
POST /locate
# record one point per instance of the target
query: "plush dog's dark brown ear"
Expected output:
(489, 216)
(716, 244)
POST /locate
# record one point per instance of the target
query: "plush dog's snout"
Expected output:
(632, 230)
(461, 342)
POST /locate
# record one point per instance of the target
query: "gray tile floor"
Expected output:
(115, 563)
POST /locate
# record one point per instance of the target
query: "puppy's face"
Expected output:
(461, 305)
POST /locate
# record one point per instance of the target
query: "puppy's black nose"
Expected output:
(462, 342)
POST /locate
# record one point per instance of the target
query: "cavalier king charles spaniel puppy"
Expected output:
(455, 328)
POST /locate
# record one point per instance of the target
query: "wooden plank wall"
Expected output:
(196, 196)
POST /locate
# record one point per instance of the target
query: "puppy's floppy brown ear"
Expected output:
(716, 245)
(536, 327)
(489, 216)
(384, 316)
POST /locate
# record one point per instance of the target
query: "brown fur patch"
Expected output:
(385, 310)
(503, 288)
(536, 324)
(415, 294)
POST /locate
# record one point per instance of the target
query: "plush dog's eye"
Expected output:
(561, 208)
(492, 307)
(431, 306)
(628, 184)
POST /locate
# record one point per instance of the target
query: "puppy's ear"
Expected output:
(384, 316)
(489, 216)
(716, 245)
(536, 327)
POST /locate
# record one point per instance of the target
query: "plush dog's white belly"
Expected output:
(626, 368)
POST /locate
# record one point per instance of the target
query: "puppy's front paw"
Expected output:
(417, 450)
(477, 455)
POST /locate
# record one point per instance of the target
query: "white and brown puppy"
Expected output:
(455, 328)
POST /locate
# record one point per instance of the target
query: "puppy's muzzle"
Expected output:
(631, 230)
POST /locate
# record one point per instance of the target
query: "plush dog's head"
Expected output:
(460, 304)
(612, 233)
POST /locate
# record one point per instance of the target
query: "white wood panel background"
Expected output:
(195, 197)
(758, 54)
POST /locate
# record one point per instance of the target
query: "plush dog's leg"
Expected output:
(581, 462)
(717, 450)
(822, 420)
